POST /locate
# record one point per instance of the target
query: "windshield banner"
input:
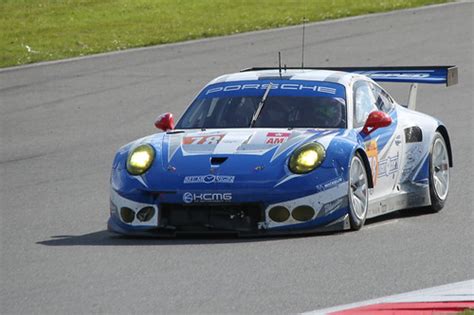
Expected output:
(278, 88)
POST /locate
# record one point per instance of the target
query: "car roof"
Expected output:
(344, 78)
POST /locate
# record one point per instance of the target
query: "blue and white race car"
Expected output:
(280, 151)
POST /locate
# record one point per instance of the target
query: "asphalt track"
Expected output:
(62, 122)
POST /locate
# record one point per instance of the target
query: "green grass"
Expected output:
(38, 30)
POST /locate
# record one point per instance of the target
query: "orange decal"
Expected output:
(372, 154)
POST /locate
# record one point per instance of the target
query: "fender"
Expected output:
(345, 147)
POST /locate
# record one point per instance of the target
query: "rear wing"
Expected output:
(447, 75)
(412, 74)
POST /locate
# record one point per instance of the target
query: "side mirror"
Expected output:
(375, 121)
(165, 122)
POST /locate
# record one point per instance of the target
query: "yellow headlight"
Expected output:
(140, 159)
(307, 158)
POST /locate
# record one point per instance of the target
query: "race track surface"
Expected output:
(62, 122)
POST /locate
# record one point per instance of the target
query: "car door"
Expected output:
(384, 145)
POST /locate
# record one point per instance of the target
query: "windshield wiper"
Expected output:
(260, 105)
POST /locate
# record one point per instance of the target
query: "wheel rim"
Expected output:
(440, 168)
(358, 189)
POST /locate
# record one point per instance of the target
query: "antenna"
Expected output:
(279, 63)
(302, 44)
(304, 27)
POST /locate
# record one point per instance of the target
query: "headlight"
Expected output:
(307, 158)
(140, 159)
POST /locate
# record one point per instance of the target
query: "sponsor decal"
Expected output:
(397, 74)
(334, 205)
(208, 179)
(189, 197)
(413, 156)
(329, 184)
(388, 166)
(277, 137)
(372, 155)
(274, 86)
(209, 139)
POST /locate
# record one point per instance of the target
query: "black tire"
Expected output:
(438, 198)
(357, 216)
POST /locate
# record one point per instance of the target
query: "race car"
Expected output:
(283, 151)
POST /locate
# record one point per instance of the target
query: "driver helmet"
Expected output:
(330, 110)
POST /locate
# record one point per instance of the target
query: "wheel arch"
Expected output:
(368, 169)
(444, 132)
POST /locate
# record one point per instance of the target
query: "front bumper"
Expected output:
(246, 214)
(114, 225)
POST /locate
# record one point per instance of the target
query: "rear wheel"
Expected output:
(439, 173)
(358, 193)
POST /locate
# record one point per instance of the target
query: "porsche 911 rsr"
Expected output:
(279, 151)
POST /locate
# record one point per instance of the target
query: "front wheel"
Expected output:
(358, 193)
(439, 173)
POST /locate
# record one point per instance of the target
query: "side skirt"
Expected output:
(414, 198)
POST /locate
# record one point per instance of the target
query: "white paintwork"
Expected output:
(120, 202)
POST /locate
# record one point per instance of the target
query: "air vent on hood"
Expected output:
(218, 160)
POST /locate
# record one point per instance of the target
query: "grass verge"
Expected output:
(39, 30)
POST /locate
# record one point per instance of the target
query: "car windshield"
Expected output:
(289, 104)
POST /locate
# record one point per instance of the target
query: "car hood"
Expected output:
(226, 155)
(220, 146)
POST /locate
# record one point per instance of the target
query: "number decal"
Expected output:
(206, 140)
(211, 140)
(195, 140)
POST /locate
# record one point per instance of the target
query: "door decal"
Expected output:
(372, 155)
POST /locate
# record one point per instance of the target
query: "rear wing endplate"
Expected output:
(447, 75)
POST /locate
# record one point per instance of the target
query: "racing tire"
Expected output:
(438, 173)
(358, 193)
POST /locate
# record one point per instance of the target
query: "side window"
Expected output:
(364, 102)
(382, 99)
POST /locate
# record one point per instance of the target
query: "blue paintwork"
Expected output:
(249, 185)
(248, 182)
